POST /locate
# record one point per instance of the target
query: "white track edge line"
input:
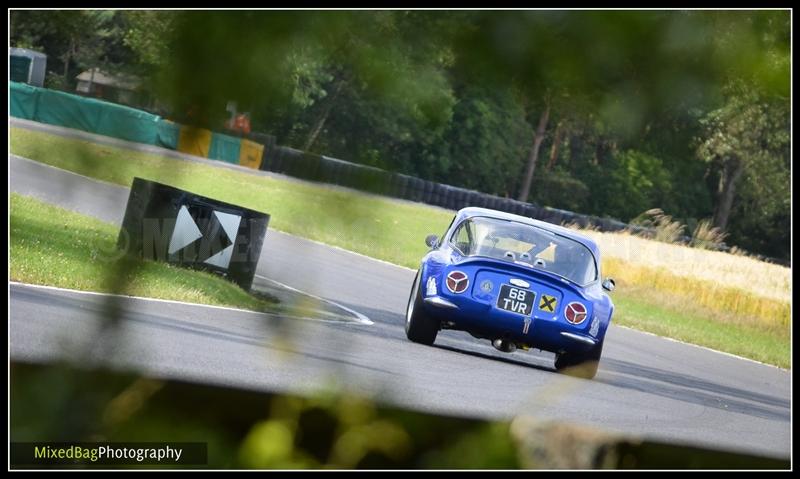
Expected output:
(159, 300)
(361, 318)
(339, 248)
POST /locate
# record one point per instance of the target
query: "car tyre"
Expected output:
(421, 327)
(580, 365)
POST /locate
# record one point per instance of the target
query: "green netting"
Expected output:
(104, 118)
(168, 133)
(63, 109)
(127, 123)
(24, 99)
(87, 114)
(225, 148)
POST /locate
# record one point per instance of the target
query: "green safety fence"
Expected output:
(23, 100)
(118, 121)
(168, 134)
(225, 148)
(87, 114)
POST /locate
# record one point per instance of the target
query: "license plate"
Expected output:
(516, 300)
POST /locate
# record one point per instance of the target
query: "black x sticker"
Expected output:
(547, 303)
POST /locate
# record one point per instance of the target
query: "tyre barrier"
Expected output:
(285, 160)
(427, 192)
(269, 160)
(266, 157)
(348, 177)
(336, 171)
(531, 211)
(374, 180)
(460, 198)
(414, 189)
(396, 185)
(441, 194)
(276, 162)
(404, 186)
(360, 179)
(311, 166)
(467, 198)
(448, 197)
(519, 207)
(506, 205)
(480, 200)
(327, 170)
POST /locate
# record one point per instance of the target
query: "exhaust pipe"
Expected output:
(504, 345)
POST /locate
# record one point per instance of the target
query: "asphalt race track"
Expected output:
(646, 385)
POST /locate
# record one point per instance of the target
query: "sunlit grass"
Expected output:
(379, 227)
(55, 247)
(728, 303)
(735, 271)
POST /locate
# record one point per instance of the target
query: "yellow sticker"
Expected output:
(548, 303)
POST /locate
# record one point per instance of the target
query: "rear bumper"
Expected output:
(550, 333)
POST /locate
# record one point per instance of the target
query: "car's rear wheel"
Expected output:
(421, 327)
(580, 365)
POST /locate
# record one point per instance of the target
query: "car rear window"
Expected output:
(527, 245)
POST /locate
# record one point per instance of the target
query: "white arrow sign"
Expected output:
(185, 232)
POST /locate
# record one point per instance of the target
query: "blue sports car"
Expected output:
(518, 282)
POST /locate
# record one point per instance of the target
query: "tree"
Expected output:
(748, 132)
(533, 156)
(147, 33)
(82, 38)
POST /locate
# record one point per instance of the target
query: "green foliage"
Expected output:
(563, 190)
(144, 34)
(246, 429)
(634, 181)
(74, 40)
(751, 130)
(485, 146)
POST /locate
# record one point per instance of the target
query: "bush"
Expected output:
(706, 236)
(662, 226)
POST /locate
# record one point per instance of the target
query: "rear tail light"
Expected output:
(457, 281)
(575, 312)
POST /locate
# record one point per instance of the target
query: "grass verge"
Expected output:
(637, 309)
(722, 317)
(55, 247)
(379, 227)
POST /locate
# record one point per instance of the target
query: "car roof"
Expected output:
(471, 212)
